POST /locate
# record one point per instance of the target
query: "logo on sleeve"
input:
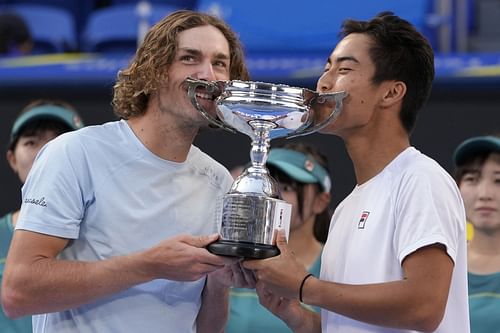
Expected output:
(362, 220)
(38, 202)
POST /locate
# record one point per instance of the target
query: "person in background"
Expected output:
(395, 257)
(303, 177)
(116, 217)
(38, 123)
(477, 173)
(15, 36)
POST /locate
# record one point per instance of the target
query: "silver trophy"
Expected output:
(253, 211)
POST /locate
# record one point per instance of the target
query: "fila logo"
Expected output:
(362, 220)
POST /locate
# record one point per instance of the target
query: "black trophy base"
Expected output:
(243, 249)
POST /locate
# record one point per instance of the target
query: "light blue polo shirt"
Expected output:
(100, 187)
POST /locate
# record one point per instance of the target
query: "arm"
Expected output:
(296, 316)
(35, 281)
(417, 302)
(213, 313)
(214, 307)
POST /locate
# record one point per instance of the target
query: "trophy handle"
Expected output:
(324, 99)
(210, 87)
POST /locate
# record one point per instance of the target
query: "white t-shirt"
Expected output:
(103, 189)
(412, 203)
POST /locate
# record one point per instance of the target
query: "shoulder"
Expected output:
(412, 165)
(79, 139)
(85, 153)
(95, 134)
(91, 142)
(415, 176)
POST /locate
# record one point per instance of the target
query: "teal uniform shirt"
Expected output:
(21, 325)
(484, 303)
(247, 315)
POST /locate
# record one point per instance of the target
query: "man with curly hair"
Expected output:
(115, 218)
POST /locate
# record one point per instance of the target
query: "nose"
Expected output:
(324, 83)
(206, 72)
(485, 190)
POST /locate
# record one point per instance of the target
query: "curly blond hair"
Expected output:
(148, 68)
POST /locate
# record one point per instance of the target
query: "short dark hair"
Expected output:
(401, 53)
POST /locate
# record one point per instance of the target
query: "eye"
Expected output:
(470, 178)
(220, 63)
(344, 70)
(29, 142)
(187, 58)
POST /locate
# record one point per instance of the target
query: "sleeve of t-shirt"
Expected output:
(56, 192)
(429, 211)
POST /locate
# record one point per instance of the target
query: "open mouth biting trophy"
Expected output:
(252, 210)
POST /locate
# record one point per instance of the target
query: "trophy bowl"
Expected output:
(252, 211)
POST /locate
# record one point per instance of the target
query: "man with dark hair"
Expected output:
(115, 245)
(395, 258)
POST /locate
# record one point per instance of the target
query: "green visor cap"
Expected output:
(475, 146)
(59, 113)
(299, 167)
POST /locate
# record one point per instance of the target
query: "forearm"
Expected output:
(309, 322)
(35, 281)
(49, 285)
(213, 313)
(391, 304)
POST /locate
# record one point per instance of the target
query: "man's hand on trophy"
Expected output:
(235, 275)
(182, 258)
(282, 275)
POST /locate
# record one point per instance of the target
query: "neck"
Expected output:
(483, 253)
(372, 149)
(162, 135)
(484, 243)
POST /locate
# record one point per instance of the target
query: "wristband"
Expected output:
(302, 285)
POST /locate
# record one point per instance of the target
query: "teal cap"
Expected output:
(300, 167)
(476, 145)
(59, 113)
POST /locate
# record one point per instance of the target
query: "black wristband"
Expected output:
(302, 285)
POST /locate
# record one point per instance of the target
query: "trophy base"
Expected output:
(243, 249)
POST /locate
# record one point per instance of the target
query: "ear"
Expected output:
(11, 158)
(321, 202)
(396, 91)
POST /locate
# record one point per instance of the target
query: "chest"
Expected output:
(361, 239)
(136, 210)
